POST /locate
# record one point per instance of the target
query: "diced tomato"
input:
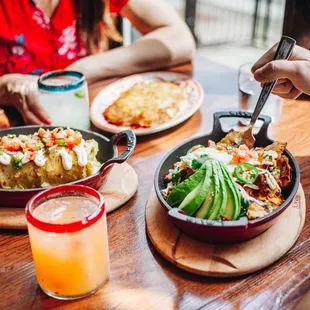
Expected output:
(12, 145)
(70, 142)
(195, 148)
(233, 151)
(31, 156)
(31, 146)
(241, 159)
(42, 133)
(78, 138)
(49, 142)
(10, 148)
(243, 147)
(60, 135)
(70, 132)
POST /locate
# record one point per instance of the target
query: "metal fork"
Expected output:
(284, 51)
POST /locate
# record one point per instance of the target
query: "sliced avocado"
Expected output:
(220, 205)
(233, 206)
(195, 198)
(215, 182)
(206, 208)
(229, 212)
(184, 188)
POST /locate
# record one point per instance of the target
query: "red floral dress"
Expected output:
(32, 43)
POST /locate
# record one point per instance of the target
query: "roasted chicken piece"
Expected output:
(256, 211)
(277, 146)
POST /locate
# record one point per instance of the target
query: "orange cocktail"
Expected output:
(68, 235)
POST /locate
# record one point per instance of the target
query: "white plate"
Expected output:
(112, 92)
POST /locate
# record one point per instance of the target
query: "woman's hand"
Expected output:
(20, 91)
(293, 75)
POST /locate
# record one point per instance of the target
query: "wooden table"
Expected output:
(141, 278)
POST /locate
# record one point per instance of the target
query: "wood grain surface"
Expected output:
(140, 277)
(120, 186)
(224, 260)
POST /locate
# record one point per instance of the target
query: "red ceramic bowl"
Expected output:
(223, 231)
(107, 155)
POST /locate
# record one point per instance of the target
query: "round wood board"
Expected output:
(120, 186)
(224, 260)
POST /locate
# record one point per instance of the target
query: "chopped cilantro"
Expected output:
(43, 140)
(175, 177)
(276, 171)
(17, 162)
(244, 207)
(11, 136)
(268, 157)
(48, 151)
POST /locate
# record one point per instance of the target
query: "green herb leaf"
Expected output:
(244, 207)
(61, 142)
(175, 177)
(17, 162)
(48, 151)
(11, 136)
(276, 171)
(43, 140)
(197, 163)
(80, 93)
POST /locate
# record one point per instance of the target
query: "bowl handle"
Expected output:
(130, 145)
(178, 214)
(217, 128)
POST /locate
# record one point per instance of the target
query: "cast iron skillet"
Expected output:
(223, 231)
(107, 155)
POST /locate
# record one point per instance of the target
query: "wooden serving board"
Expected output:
(224, 260)
(120, 186)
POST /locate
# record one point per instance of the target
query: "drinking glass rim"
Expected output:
(68, 227)
(61, 88)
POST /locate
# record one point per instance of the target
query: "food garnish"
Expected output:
(227, 180)
(46, 157)
(246, 173)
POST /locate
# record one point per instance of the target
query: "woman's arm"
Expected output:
(166, 41)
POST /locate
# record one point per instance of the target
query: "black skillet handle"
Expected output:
(217, 128)
(131, 143)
